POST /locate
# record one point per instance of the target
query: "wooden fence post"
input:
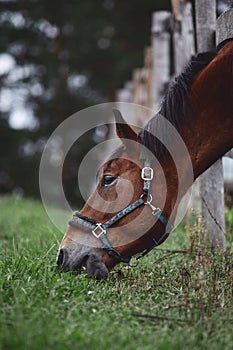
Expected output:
(183, 35)
(224, 28)
(142, 81)
(161, 55)
(229, 154)
(184, 48)
(148, 62)
(126, 93)
(224, 31)
(212, 183)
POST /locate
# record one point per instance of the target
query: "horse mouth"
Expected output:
(90, 262)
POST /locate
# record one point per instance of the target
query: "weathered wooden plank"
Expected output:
(205, 24)
(229, 154)
(184, 48)
(183, 37)
(177, 9)
(224, 28)
(212, 182)
(126, 93)
(161, 55)
(148, 62)
(140, 77)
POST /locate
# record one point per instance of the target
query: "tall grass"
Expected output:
(171, 300)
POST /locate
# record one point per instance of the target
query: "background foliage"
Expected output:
(55, 59)
(64, 56)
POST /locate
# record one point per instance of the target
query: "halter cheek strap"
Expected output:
(99, 230)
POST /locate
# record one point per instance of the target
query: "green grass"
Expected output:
(176, 301)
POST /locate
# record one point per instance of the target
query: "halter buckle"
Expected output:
(156, 211)
(147, 173)
(98, 231)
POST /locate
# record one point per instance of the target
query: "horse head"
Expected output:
(119, 219)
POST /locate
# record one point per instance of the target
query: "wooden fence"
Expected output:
(175, 31)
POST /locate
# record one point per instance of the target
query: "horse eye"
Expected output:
(108, 180)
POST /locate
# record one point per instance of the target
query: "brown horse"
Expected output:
(199, 105)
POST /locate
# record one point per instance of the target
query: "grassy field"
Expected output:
(169, 301)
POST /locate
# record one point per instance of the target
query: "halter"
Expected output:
(99, 230)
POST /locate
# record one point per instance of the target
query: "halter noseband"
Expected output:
(99, 230)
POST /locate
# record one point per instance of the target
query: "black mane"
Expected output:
(174, 106)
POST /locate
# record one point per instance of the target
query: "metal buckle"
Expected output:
(100, 228)
(156, 211)
(147, 173)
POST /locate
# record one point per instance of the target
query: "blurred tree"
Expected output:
(64, 56)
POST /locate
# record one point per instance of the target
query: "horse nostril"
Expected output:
(61, 257)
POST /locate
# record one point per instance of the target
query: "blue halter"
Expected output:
(99, 230)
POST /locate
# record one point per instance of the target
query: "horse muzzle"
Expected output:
(82, 257)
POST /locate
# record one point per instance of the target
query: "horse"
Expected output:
(199, 105)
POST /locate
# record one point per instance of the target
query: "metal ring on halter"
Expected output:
(147, 195)
(149, 198)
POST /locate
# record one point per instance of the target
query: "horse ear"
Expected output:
(123, 130)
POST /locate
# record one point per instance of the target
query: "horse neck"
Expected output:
(208, 134)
